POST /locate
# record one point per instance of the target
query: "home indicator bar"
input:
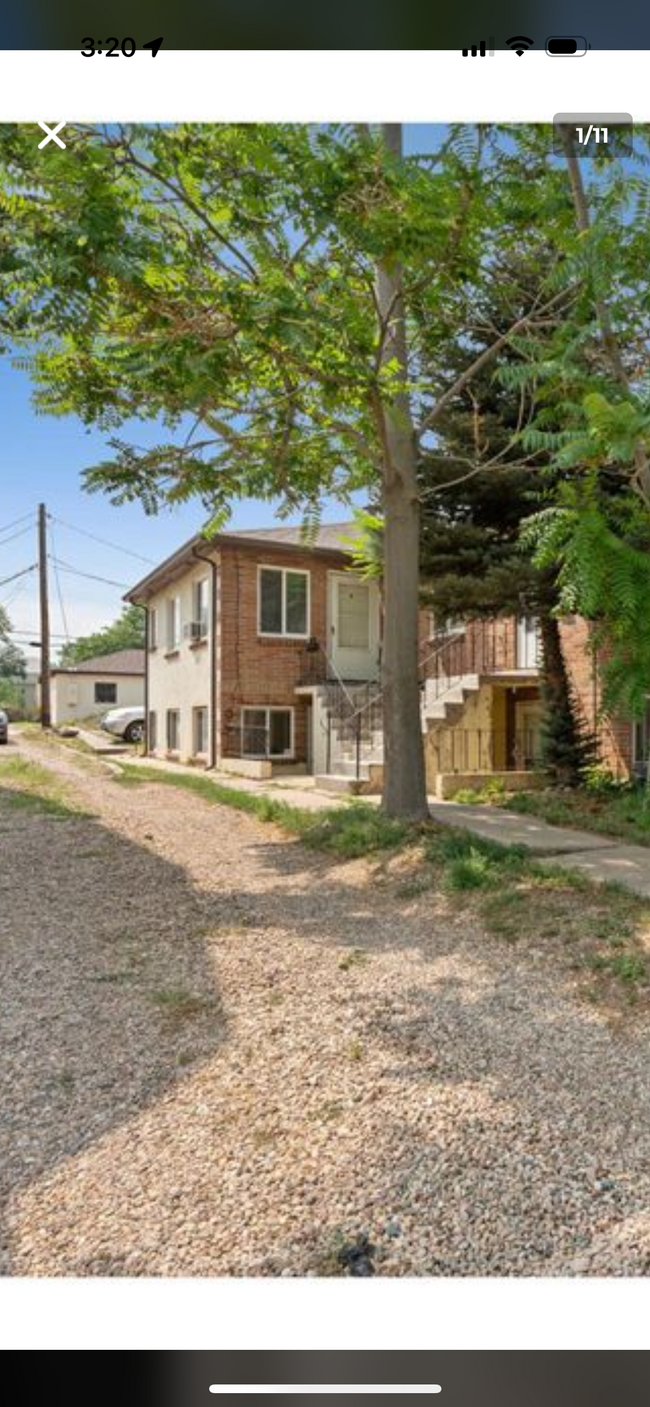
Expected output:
(253, 1388)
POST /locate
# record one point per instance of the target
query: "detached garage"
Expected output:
(94, 686)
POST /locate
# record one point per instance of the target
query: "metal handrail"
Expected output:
(421, 662)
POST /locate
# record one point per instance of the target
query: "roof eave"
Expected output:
(172, 567)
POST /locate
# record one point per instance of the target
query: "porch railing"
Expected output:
(482, 647)
(485, 750)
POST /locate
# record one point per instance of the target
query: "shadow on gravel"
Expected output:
(107, 996)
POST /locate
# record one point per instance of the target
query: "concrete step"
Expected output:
(336, 782)
(347, 766)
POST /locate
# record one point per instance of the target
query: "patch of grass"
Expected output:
(491, 792)
(64, 1081)
(623, 812)
(355, 1050)
(178, 1003)
(514, 896)
(35, 789)
(110, 977)
(628, 967)
(357, 958)
(469, 862)
(333, 1109)
(347, 831)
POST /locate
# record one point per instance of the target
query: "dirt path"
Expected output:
(226, 1055)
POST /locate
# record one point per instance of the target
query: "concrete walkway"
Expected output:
(599, 857)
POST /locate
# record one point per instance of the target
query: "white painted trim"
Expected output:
(282, 634)
(168, 744)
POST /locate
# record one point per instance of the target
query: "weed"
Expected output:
(65, 1081)
(355, 1050)
(113, 977)
(357, 958)
(328, 1112)
(178, 1003)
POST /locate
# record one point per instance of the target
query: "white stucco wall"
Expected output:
(73, 695)
(180, 679)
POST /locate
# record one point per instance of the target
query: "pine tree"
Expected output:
(479, 485)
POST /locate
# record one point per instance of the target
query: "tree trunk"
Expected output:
(404, 792)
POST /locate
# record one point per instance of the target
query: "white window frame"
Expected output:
(153, 628)
(202, 584)
(269, 709)
(178, 741)
(200, 751)
(283, 634)
(173, 621)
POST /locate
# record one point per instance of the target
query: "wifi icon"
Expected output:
(520, 44)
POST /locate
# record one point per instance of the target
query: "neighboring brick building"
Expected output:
(263, 655)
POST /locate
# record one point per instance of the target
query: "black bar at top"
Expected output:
(287, 24)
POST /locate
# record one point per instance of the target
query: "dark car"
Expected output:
(4, 727)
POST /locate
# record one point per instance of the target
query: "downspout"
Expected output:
(143, 607)
(147, 636)
(213, 656)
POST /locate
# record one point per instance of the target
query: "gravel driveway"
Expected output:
(227, 1056)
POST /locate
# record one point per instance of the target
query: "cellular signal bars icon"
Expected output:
(480, 50)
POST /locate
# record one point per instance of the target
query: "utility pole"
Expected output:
(46, 709)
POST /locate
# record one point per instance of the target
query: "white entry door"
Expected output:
(528, 642)
(353, 626)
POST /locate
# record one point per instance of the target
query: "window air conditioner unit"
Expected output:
(195, 630)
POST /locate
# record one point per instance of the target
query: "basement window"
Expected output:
(267, 732)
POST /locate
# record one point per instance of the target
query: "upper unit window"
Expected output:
(174, 623)
(153, 628)
(200, 611)
(283, 602)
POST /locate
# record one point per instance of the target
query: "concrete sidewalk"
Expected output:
(600, 857)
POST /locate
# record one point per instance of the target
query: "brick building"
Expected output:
(264, 656)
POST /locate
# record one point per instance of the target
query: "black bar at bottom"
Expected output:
(467, 1379)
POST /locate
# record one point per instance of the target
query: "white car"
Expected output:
(127, 723)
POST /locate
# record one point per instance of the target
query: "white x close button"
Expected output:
(51, 135)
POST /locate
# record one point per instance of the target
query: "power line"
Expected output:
(28, 634)
(104, 541)
(12, 538)
(59, 593)
(66, 567)
(16, 521)
(15, 576)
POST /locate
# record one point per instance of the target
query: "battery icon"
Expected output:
(568, 46)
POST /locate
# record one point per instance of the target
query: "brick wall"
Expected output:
(615, 734)
(256, 670)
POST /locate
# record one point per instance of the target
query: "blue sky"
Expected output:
(41, 460)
